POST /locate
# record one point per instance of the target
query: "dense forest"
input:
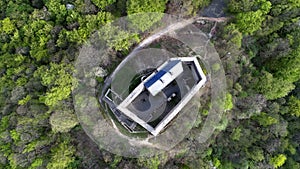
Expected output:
(259, 46)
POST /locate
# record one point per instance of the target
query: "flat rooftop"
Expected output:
(155, 111)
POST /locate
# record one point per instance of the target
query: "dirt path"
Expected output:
(221, 19)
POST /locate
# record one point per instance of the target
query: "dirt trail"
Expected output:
(221, 19)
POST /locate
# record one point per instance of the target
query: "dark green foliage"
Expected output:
(116, 38)
(270, 25)
(63, 119)
(57, 9)
(152, 162)
(145, 6)
(233, 35)
(62, 155)
(40, 39)
(265, 120)
(145, 21)
(255, 153)
(18, 9)
(268, 137)
(271, 87)
(103, 3)
(250, 14)
(185, 7)
(32, 89)
(87, 25)
(37, 34)
(294, 106)
(249, 22)
(59, 81)
(286, 66)
(282, 66)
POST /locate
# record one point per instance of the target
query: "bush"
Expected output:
(294, 106)
(278, 160)
(63, 121)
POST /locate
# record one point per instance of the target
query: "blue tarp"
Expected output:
(155, 78)
(161, 73)
(170, 65)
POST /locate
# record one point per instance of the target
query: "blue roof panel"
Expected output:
(170, 65)
(161, 73)
(156, 77)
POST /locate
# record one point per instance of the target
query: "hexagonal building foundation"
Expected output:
(157, 95)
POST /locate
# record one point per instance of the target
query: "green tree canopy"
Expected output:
(36, 36)
(58, 10)
(272, 88)
(117, 38)
(87, 25)
(63, 121)
(7, 26)
(265, 120)
(58, 78)
(278, 160)
(145, 21)
(103, 3)
(250, 21)
(294, 106)
(62, 155)
(286, 67)
(255, 153)
(233, 35)
(228, 105)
